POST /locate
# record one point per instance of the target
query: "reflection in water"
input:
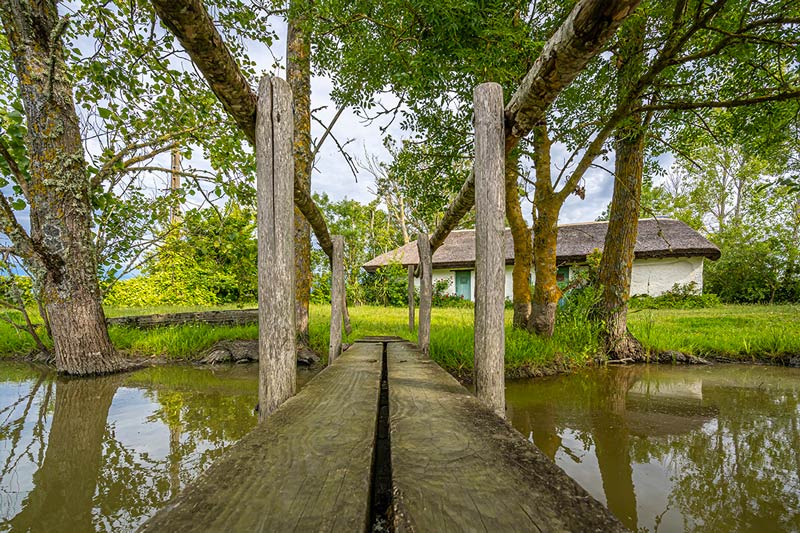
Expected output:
(674, 448)
(103, 454)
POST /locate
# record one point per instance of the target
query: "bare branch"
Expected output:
(735, 102)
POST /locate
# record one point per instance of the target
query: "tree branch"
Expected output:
(584, 33)
(736, 102)
(19, 177)
(189, 21)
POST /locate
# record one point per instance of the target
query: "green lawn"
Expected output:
(741, 332)
(735, 332)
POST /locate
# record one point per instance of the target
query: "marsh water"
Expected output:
(103, 454)
(667, 449)
(674, 448)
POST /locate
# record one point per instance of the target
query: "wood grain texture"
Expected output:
(306, 469)
(410, 297)
(456, 466)
(228, 317)
(425, 292)
(276, 283)
(337, 298)
(490, 259)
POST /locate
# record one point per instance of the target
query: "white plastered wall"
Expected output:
(450, 276)
(657, 276)
(649, 276)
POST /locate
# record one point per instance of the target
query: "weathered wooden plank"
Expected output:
(227, 318)
(308, 468)
(425, 292)
(275, 202)
(490, 259)
(410, 297)
(337, 298)
(456, 466)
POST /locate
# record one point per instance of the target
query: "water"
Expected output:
(667, 449)
(707, 449)
(103, 454)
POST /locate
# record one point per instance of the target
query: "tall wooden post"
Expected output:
(277, 354)
(410, 297)
(337, 298)
(489, 247)
(175, 185)
(425, 292)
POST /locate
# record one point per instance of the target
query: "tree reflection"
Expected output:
(727, 440)
(88, 476)
(612, 441)
(65, 483)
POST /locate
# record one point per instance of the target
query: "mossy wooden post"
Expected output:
(337, 298)
(489, 169)
(410, 297)
(275, 191)
(425, 292)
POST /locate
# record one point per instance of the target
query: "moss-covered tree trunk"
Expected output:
(60, 243)
(523, 251)
(547, 204)
(298, 74)
(616, 265)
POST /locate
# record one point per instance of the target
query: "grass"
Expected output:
(739, 332)
(744, 333)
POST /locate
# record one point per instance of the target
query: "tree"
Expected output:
(368, 232)
(689, 40)
(432, 55)
(82, 130)
(616, 263)
(298, 74)
(732, 195)
(59, 245)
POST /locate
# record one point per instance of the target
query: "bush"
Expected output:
(387, 286)
(684, 296)
(442, 298)
(753, 272)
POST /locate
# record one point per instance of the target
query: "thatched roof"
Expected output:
(657, 238)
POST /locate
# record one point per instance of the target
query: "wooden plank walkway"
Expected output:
(456, 466)
(451, 464)
(307, 469)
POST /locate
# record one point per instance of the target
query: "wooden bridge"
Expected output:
(384, 439)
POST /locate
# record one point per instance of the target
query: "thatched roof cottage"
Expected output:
(667, 252)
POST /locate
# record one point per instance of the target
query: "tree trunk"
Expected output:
(616, 264)
(60, 206)
(547, 204)
(523, 248)
(298, 74)
(545, 291)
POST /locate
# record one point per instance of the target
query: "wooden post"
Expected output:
(489, 168)
(337, 298)
(348, 328)
(175, 185)
(425, 292)
(410, 297)
(277, 353)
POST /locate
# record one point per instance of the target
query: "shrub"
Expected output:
(684, 296)
(387, 286)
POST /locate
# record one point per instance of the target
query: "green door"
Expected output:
(464, 284)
